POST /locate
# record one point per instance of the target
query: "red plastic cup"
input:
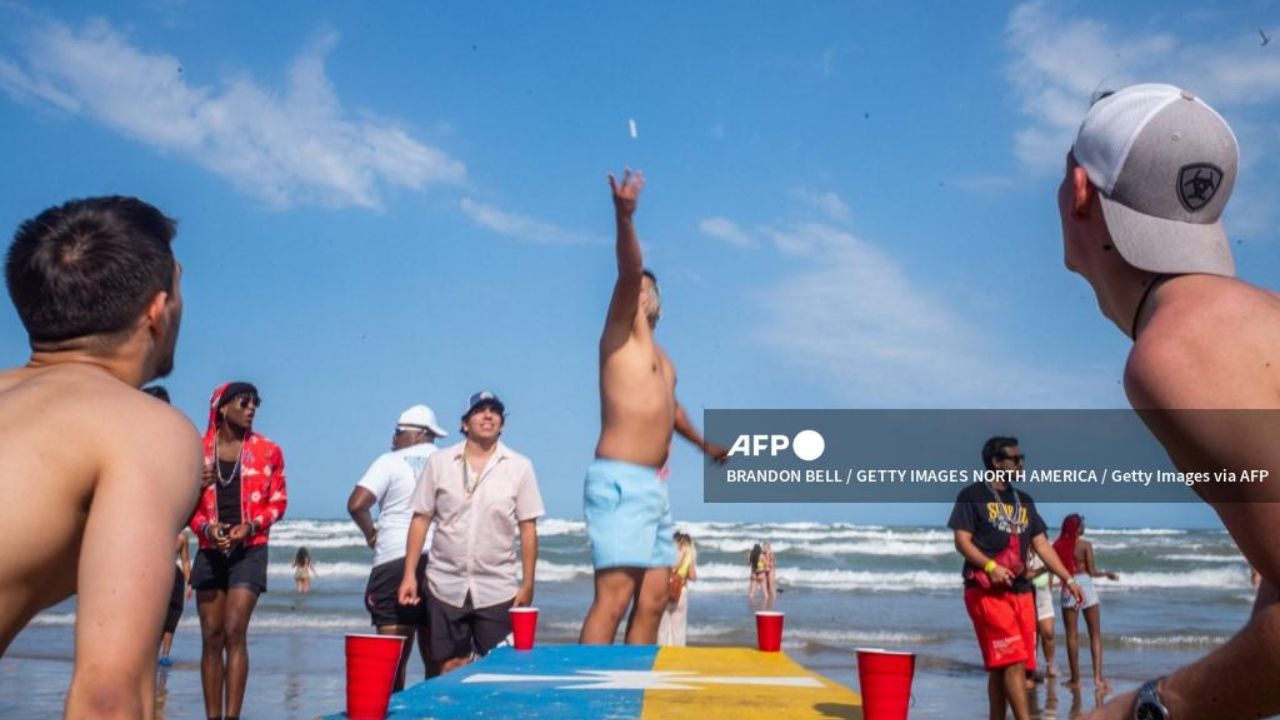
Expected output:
(885, 678)
(372, 662)
(769, 630)
(524, 626)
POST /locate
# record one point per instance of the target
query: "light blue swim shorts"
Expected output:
(628, 516)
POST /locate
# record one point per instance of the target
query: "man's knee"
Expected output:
(236, 632)
(214, 635)
(105, 694)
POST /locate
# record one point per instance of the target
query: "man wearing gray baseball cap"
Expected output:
(1146, 182)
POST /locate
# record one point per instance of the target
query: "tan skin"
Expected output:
(224, 614)
(1007, 686)
(1208, 343)
(359, 506)
(482, 429)
(1093, 621)
(638, 414)
(96, 478)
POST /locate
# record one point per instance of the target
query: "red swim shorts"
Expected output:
(1006, 626)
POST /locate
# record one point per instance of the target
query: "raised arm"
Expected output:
(626, 290)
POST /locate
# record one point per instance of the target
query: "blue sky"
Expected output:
(849, 204)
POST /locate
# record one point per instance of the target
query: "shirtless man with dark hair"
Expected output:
(627, 508)
(92, 467)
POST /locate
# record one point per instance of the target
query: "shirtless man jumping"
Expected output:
(627, 509)
(93, 469)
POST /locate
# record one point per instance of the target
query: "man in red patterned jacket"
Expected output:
(244, 495)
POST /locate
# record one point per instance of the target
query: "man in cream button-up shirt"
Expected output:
(478, 492)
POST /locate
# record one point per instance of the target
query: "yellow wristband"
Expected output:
(991, 565)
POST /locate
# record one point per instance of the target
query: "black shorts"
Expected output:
(383, 590)
(177, 598)
(458, 632)
(244, 567)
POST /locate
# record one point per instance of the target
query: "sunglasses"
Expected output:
(245, 401)
(1019, 459)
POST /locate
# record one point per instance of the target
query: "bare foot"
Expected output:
(1073, 683)
(1101, 683)
(1051, 672)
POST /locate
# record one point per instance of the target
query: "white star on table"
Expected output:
(644, 680)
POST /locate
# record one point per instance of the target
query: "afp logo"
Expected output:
(808, 445)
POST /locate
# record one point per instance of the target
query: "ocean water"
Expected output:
(842, 586)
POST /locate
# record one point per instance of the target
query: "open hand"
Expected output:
(626, 194)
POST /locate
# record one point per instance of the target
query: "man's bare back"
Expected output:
(1205, 375)
(87, 458)
(97, 477)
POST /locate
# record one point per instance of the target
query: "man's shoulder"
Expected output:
(421, 450)
(262, 443)
(971, 493)
(516, 458)
(1208, 348)
(443, 455)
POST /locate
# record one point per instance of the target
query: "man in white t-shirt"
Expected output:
(389, 482)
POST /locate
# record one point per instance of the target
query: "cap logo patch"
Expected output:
(1197, 184)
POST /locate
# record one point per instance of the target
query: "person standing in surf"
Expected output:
(1077, 556)
(626, 503)
(245, 494)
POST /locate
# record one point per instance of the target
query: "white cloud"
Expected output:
(523, 227)
(298, 145)
(855, 317)
(726, 230)
(1060, 62)
(828, 203)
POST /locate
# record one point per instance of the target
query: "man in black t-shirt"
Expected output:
(995, 526)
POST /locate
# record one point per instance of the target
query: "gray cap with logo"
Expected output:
(1164, 163)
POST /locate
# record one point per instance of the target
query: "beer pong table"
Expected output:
(568, 682)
